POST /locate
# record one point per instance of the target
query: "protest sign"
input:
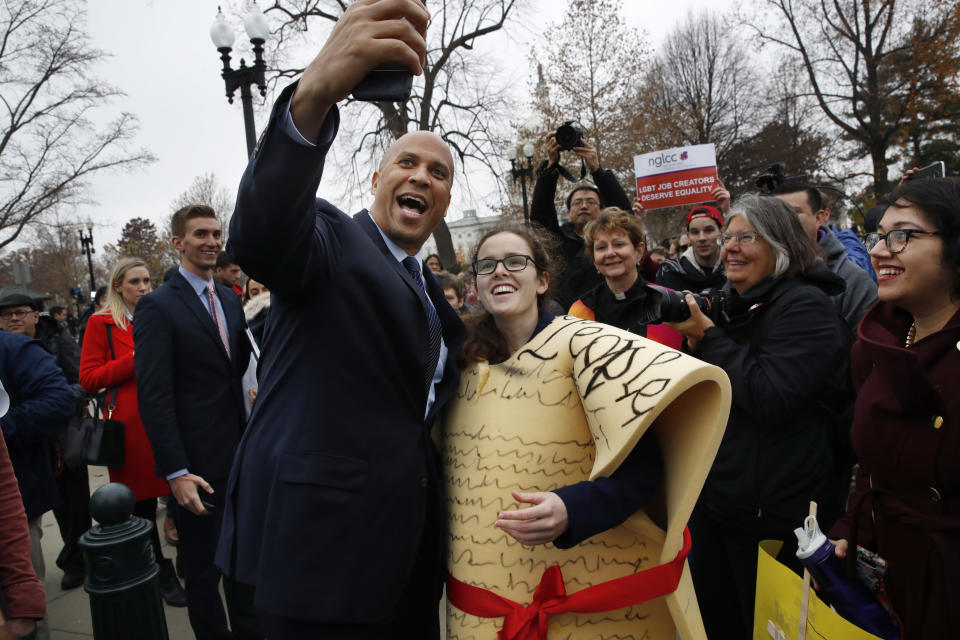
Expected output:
(684, 175)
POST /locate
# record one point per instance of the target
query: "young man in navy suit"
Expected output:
(190, 354)
(335, 507)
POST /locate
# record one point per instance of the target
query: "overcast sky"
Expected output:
(164, 61)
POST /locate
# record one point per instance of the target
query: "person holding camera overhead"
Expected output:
(787, 360)
(584, 204)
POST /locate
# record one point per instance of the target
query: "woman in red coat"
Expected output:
(906, 429)
(107, 363)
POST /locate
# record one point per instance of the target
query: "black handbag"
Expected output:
(96, 439)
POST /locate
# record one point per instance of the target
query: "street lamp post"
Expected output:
(86, 243)
(243, 76)
(521, 170)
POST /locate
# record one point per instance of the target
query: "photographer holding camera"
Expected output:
(584, 204)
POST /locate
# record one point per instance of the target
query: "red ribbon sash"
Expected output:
(530, 622)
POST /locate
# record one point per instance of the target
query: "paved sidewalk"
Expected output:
(69, 611)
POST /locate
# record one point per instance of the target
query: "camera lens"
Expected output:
(569, 135)
(673, 307)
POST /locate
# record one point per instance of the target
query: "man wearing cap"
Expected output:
(584, 204)
(699, 267)
(861, 290)
(19, 313)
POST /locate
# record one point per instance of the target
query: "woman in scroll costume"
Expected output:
(549, 467)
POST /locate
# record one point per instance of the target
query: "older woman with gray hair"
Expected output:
(786, 351)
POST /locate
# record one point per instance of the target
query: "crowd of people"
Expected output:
(351, 428)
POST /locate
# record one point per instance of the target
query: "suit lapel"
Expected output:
(190, 298)
(453, 331)
(370, 228)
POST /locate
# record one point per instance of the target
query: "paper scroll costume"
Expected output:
(569, 406)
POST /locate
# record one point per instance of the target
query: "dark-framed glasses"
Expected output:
(743, 237)
(590, 202)
(897, 239)
(6, 314)
(517, 262)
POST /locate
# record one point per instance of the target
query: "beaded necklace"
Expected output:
(911, 334)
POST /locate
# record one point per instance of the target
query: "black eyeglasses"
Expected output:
(516, 262)
(6, 314)
(897, 239)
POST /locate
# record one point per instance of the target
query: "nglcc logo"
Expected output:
(667, 158)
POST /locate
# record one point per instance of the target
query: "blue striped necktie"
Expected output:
(433, 320)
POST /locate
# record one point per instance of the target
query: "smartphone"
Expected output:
(208, 505)
(935, 170)
(384, 85)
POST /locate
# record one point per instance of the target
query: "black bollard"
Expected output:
(121, 570)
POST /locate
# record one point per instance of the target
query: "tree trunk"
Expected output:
(441, 236)
(878, 155)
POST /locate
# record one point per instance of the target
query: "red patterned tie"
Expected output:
(217, 320)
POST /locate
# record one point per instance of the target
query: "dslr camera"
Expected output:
(774, 176)
(569, 135)
(669, 305)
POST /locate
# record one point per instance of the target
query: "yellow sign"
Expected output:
(776, 614)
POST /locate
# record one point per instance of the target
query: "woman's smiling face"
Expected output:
(509, 293)
(915, 278)
(748, 263)
(614, 255)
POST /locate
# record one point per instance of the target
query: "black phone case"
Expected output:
(384, 85)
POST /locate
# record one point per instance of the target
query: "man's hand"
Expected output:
(906, 177)
(693, 327)
(370, 33)
(589, 154)
(553, 149)
(252, 395)
(539, 524)
(184, 489)
(638, 211)
(17, 628)
(722, 197)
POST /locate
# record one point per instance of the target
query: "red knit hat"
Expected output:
(705, 210)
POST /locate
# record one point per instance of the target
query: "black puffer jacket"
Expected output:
(684, 274)
(787, 352)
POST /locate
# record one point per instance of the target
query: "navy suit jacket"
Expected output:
(188, 389)
(336, 473)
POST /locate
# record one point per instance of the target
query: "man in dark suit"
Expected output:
(190, 355)
(334, 507)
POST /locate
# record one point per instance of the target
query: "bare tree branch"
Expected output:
(49, 146)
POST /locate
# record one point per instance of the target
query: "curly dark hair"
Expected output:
(484, 341)
(938, 200)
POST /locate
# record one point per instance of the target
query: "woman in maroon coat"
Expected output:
(906, 430)
(107, 363)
